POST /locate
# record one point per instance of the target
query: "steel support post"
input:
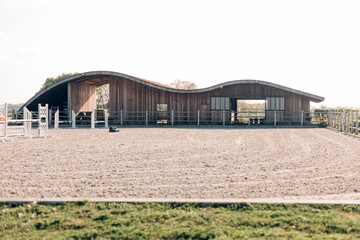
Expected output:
(275, 118)
(198, 117)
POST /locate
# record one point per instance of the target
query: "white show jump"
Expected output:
(94, 120)
(10, 127)
(57, 119)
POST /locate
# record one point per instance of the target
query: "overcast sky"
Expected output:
(313, 46)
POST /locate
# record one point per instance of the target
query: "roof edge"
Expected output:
(312, 97)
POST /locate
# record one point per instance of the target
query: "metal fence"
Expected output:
(221, 117)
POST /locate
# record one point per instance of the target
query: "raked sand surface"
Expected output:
(183, 163)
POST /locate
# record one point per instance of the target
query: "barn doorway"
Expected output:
(103, 96)
(248, 111)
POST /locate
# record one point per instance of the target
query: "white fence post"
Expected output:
(56, 119)
(198, 117)
(249, 122)
(73, 119)
(93, 119)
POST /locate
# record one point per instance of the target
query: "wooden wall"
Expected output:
(81, 97)
(128, 95)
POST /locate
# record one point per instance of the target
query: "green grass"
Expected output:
(89, 220)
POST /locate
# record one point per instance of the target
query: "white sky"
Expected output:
(309, 45)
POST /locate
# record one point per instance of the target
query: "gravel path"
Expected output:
(179, 163)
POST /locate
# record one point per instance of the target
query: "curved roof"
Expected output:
(98, 74)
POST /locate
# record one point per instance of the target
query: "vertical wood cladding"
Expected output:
(81, 96)
(128, 95)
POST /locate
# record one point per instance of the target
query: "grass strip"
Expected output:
(92, 220)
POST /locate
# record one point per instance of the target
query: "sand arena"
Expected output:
(182, 163)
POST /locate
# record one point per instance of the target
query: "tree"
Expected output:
(51, 80)
(245, 105)
(183, 84)
(102, 96)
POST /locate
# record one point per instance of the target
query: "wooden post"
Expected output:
(275, 118)
(146, 117)
(342, 121)
(121, 117)
(172, 117)
(249, 118)
(357, 122)
(352, 122)
(198, 117)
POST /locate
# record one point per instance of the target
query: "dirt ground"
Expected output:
(180, 163)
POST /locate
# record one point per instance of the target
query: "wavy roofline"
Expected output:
(313, 97)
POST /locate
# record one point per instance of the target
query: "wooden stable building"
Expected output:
(130, 94)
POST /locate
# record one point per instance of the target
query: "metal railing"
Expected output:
(218, 117)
